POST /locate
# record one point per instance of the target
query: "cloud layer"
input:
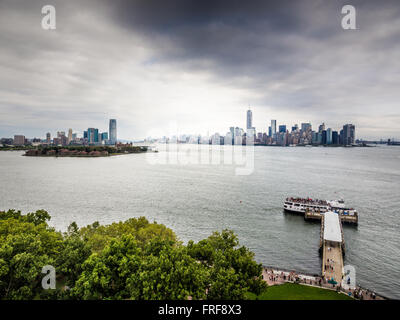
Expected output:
(195, 66)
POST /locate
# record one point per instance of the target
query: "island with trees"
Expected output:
(84, 151)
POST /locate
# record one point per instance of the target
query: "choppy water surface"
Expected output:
(196, 199)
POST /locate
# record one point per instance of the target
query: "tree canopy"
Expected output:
(134, 259)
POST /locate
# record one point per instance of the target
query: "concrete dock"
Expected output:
(317, 215)
(332, 247)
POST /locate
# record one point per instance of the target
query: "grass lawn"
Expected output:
(291, 291)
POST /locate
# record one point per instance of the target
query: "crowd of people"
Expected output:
(308, 201)
(275, 277)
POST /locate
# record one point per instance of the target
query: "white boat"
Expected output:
(301, 205)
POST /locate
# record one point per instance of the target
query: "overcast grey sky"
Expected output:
(195, 66)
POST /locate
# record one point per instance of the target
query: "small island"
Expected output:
(84, 151)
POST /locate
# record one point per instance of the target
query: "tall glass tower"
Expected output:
(273, 127)
(249, 119)
(113, 131)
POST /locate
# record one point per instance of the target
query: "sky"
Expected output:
(195, 67)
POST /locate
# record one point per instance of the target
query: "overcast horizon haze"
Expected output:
(192, 67)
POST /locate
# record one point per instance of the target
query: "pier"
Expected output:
(318, 215)
(332, 247)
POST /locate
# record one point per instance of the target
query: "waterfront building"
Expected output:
(104, 136)
(305, 127)
(56, 141)
(269, 132)
(349, 133)
(93, 135)
(232, 135)
(249, 120)
(323, 137)
(329, 136)
(19, 140)
(282, 128)
(228, 138)
(113, 131)
(273, 128)
(69, 135)
(6, 141)
(335, 137)
(60, 134)
(48, 137)
(314, 137)
(321, 127)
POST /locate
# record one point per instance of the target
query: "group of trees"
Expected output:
(44, 149)
(134, 259)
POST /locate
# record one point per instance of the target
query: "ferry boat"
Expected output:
(301, 205)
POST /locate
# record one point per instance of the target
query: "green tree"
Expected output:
(233, 271)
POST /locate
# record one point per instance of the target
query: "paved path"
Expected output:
(276, 277)
(332, 263)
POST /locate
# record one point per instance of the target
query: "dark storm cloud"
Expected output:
(294, 42)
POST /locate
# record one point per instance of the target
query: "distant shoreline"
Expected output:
(84, 151)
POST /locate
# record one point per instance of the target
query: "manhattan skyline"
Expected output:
(195, 67)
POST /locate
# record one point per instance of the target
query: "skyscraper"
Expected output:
(349, 133)
(69, 135)
(113, 131)
(249, 119)
(321, 128)
(305, 127)
(48, 137)
(324, 135)
(335, 137)
(273, 127)
(282, 128)
(93, 135)
(329, 136)
(104, 136)
(19, 140)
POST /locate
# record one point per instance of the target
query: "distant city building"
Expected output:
(104, 136)
(321, 128)
(341, 137)
(232, 136)
(48, 137)
(69, 135)
(249, 119)
(329, 136)
(314, 137)
(6, 141)
(306, 127)
(349, 133)
(335, 137)
(93, 135)
(113, 131)
(273, 128)
(19, 140)
(324, 140)
(282, 128)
